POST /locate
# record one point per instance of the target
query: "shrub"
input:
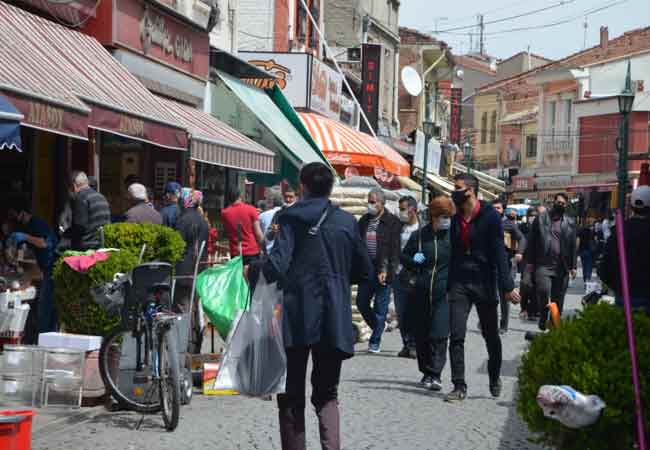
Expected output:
(76, 309)
(589, 353)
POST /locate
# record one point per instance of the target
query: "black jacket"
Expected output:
(538, 251)
(315, 272)
(637, 252)
(193, 227)
(388, 242)
(90, 212)
(487, 252)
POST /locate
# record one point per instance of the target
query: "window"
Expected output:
(568, 106)
(484, 126)
(313, 35)
(301, 26)
(531, 146)
(493, 128)
(552, 111)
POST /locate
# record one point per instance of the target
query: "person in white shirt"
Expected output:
(408, 215)
(266, 219)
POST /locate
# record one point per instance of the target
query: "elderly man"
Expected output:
(380, 230)
(141, 211)
(171, 212)
(90, 212)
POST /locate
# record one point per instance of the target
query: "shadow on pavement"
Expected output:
(508, 368)
(514, 434)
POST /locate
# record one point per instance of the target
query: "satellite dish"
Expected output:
(411, 81)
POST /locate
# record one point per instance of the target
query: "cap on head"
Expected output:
(172, 187)
(138, 191)
(640, 197)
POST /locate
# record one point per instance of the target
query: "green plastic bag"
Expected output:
(223, 291)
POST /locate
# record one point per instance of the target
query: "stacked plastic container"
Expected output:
(62, 379)
(20, 368)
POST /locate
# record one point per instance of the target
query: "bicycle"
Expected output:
(138, 359)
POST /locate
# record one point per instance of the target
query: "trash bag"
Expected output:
(568, 406)
(223, 291)
(255, 363)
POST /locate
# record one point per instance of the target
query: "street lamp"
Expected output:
(625, 104)
(429, 129)
(467, 153)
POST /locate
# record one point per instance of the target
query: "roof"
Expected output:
(525, 53)
(474, 64)
(411, 36)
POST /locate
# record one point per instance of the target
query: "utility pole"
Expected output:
(481, 26)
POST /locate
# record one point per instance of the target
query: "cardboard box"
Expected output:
(210, 372)
(72, 341)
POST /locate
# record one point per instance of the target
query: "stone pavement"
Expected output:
(382, 409)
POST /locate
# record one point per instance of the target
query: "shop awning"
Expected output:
(9, 126)
(214, 142)
(298, 150)
(64, 81)
(345, 146)
(594, 187)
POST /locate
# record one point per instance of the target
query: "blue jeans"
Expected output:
(400, 296)
(374, 316)
(587, 259)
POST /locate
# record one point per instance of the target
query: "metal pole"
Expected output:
(622, 162)
(425, 168)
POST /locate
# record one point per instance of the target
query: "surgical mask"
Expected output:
(444, 223)
(372, 209)
(459, 197)
(559, 209)
(404, 217)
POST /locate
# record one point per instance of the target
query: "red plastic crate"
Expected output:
(16, 430)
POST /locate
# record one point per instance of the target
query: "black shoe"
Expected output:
(495, 388)
(427, 382)
(405, 352)
(436, 385)
(542, 322)
(457, 395)
(503, 331)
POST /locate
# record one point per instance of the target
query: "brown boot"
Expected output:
(292, 428)
(329, 425)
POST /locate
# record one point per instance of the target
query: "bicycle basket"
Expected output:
(110, 296)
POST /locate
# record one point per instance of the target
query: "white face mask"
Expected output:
(444, 223)
(372, 209)
(404, 217)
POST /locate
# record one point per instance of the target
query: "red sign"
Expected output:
(50, 117)
(150, 31)
(523, 183)
(371, 73)
(455, 115)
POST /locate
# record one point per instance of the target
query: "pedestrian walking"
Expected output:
(551, 255)
(380, 230)
(141, 211)
(515, 243)
(408, 216)
(90, 212)
(317, 256)
(290, 197)
(637, 250)
(478, 268)
(171, 211)
(427, 255)
(242, 224)
(266, 219)
(529, 309)
(586, 248)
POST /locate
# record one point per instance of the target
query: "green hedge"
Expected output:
(76, 310)
(588, 353)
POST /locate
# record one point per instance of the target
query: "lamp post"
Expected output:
(428, 128)
(625, 104)
(467, 153)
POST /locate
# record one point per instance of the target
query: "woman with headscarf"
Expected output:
(193, 227)
(426, 256)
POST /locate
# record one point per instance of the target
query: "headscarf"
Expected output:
(191, 197)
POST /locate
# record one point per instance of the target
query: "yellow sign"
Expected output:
(45, 116)
(131, 126)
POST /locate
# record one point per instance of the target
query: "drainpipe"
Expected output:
(396, 90)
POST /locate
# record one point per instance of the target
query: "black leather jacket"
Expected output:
(388, 242)
(538, 250)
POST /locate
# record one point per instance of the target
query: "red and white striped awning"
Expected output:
(346, 147)
(64, 81)
(214, 142)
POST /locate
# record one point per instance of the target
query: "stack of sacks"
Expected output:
(351, 199)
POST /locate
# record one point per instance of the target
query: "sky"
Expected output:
(552, 42)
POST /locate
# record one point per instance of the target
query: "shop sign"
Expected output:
(455, 115)
(551, 183)
(523, 183)
(45, 116)
(291, 72)
(370, 75)
(153, 30)
(131, 126)
(326, 87)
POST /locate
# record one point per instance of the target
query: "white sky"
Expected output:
(552, 42)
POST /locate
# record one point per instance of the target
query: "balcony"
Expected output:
(558, 145)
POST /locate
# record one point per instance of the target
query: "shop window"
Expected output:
(301, 26)
(313, 34)
(493, 128)
(531, 146)
(484, 119)
(164, 172)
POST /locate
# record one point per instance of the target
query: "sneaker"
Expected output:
(426, 382)
(495, 388)
(405, 352)
(373, 348)
(436, 385)
(457, 395)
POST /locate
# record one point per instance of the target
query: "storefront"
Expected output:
(548, 187)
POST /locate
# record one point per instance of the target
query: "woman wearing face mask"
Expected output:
(427, 256)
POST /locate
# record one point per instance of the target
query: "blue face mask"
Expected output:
(444, 223)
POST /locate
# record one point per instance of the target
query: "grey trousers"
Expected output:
(551, 283)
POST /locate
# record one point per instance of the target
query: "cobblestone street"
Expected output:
(382, 407)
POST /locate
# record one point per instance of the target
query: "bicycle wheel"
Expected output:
(126, 374)
(170, 387)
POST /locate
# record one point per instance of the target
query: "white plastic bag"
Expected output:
(568, 406)
(255, 363)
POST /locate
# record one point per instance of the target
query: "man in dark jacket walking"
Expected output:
(90, 212)
(478, 266)
(380, 230)
(551, 255)
(317, 255)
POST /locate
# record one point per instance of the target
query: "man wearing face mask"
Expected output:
(478, 267)
(551, 255)
(380, 230)
(408, 215)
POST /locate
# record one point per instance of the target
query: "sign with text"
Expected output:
(370, 75)
(434, 153)
(455, 115)
(326, 86)
(520, 183)
(291, 72)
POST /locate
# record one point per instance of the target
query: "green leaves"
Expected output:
(590, 354)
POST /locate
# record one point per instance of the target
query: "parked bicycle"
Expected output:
(139, 359)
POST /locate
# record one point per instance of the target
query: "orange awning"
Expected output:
(344, 146)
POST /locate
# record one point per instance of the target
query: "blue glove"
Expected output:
(419, 258)
(18, 237)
